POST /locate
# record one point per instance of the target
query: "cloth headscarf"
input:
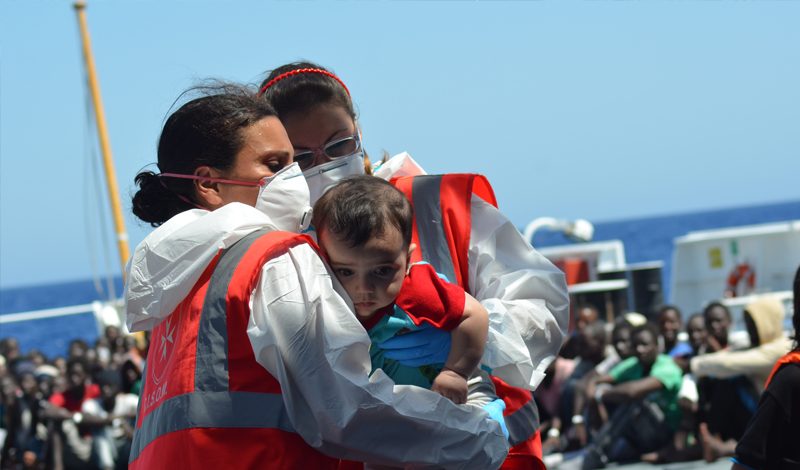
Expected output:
(768, 314)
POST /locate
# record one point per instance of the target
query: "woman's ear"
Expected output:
(207, 192)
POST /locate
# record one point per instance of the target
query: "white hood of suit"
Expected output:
(167, 264)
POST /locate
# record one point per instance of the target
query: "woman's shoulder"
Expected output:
(786, 377)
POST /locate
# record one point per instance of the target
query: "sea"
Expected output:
(645, 239)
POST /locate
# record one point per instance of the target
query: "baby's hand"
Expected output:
(452, 385)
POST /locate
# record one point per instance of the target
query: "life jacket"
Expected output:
(791, 358)
(444, 202)
(205, 401)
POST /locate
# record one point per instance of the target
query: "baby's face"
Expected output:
(371, 274)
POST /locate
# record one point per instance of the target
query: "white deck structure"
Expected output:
(704, 261)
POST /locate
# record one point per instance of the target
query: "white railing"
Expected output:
(48, 313)
(105, 314)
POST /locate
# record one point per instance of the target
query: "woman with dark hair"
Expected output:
(257, 360)
(771, 438)
(459, 231)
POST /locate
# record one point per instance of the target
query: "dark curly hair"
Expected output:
(206, 131)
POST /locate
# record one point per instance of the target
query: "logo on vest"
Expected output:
(164, 338)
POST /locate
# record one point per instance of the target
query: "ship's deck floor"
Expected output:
(721, 464)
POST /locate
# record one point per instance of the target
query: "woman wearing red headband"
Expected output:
(525, 294)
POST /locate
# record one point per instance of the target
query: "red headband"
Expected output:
(295, 72)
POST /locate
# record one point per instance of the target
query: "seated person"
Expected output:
(734, 379)
(364, 227)
(718, 320)
(45, 375)
(648, 383)
(71, 444)
(698, 335)
(764, 321)
(9, 349)
(685, 446)
(10, 421)
(32, 432)
(592, 341)
(131, 370)
(110, 418)
(670, 324)
(622, 349)
(548, 398)
(696, 330)
(586, 314)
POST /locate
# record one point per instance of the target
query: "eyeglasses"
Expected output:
(344, 147)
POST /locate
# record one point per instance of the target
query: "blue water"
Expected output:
(645, 239)
(51, 335)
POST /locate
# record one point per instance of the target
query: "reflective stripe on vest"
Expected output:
(444, 202)
(211, 369)
(522, 423)
(521, 414)
(212, 404)
(207, 410)
(433, 247)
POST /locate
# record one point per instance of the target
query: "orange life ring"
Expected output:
(742, 272)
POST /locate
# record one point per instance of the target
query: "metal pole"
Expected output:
(102, 130)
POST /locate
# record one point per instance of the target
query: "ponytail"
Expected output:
(155, 202)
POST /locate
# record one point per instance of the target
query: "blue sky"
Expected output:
(599, 110)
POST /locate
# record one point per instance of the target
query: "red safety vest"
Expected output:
(792, 357)
(444, 202)
(205, 401)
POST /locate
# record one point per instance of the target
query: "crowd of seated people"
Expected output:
(633, 391)
(630, 390)
(73, 412)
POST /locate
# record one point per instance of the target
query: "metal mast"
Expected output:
(102, 130)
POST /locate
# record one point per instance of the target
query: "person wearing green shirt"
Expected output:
(644, 389)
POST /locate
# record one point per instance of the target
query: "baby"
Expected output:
(364, 227)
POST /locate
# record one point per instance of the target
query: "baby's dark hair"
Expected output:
(359, 208)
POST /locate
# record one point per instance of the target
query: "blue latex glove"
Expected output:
(495, 410)
(427, 345)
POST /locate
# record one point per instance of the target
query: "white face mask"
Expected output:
(322, 177)
(284, 198)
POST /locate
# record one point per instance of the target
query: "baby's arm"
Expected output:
(468, 343)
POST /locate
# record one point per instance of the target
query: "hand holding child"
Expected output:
(452, 385)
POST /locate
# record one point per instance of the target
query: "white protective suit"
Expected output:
(525, 294)
(304, 333)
